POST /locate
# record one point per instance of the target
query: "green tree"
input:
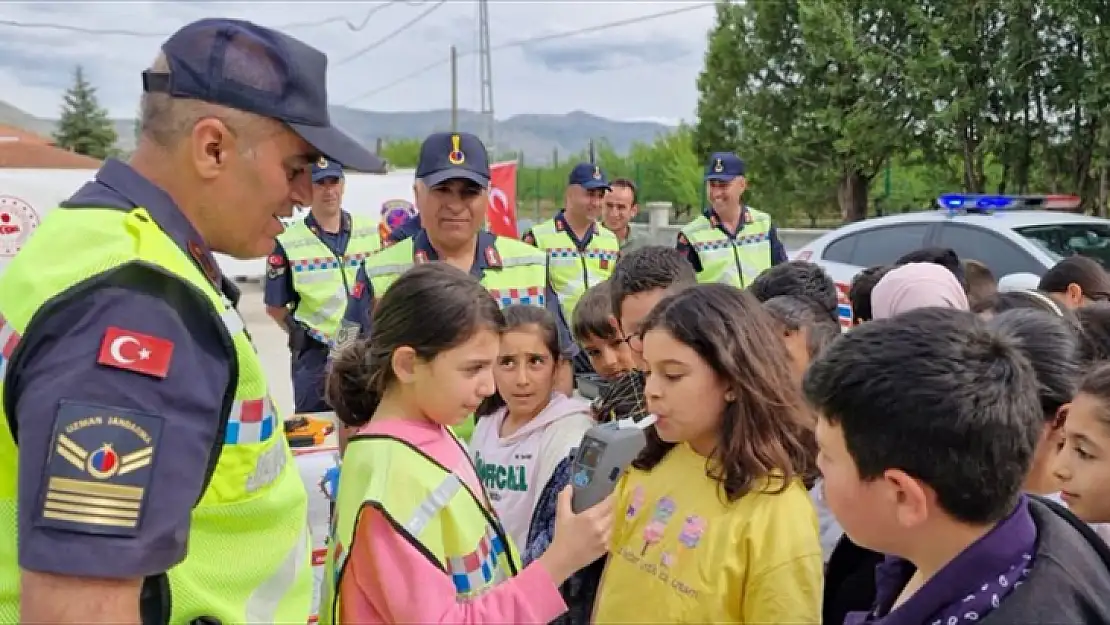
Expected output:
(402, 153)
(719, 109)
(85, 127)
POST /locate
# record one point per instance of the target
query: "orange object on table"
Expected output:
(307, 430)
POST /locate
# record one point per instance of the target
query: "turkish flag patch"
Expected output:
(132, 351)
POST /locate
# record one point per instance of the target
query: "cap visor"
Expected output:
(454, 173)
(719, 177)
(337, 146)
(324, 175)
(590, 185)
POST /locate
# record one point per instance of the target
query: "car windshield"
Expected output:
(1068, 239)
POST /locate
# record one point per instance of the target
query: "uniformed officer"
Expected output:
(137, 423)
(580, 251)
(730, 242)
(451, 190)
(308, 280)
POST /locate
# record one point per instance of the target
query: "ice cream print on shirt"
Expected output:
(667, 538)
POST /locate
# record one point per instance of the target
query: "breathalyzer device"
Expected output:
(605, 452)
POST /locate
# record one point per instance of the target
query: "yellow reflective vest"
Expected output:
(322, 279)
(428, 506)
(573, 270)
(731, 260)
(248, 558)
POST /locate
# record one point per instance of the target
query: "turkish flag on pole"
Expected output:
(501, 213)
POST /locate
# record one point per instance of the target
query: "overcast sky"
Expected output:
(641, 71)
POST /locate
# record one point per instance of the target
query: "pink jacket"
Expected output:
(387, 580)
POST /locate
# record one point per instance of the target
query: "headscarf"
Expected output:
(916, 285)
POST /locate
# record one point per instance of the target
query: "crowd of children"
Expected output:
(945, 461)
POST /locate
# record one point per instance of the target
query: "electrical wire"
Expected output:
(350, 25)
(138, 33)
(383, 40)
(519, 43)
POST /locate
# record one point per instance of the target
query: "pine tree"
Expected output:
(85, 127)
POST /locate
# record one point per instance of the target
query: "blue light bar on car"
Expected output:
(977, 203)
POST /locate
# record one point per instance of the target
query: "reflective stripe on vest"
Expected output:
(248, 558)
(573, 271)
(322, 279)
(430, 506)
(736, 261)
(521, 278)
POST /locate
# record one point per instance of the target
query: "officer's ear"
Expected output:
(210, 145)
(403, 362)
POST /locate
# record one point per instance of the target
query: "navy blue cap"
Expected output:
(244, 66)
(323, 168)
(723, 166)
(453, 155)
(588, 176)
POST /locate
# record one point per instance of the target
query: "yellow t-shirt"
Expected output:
(681, 554)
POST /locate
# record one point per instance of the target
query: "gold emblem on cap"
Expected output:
(718, 167)
(322, 163)
(456, 156)
(597, 173)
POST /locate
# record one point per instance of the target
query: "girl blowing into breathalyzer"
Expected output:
(415, 538)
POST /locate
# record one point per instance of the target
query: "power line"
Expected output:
(138, 33)
(519, 43)
(379, 42)
(348, 23)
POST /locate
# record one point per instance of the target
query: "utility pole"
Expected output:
(485, 64)
(454, 90)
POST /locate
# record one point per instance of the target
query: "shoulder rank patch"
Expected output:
(493, 259)
(99, 470)
(348, 332)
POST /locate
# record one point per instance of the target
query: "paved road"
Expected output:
(270, 341)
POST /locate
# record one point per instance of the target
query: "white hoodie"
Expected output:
(515, 469)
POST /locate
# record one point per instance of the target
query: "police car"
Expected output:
(1011, 234)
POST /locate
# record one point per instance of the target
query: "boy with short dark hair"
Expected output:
(596, 333)
(859, 293)
(641, 280)
(797, 278)
(927, 426)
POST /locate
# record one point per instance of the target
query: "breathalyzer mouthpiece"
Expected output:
(643, 424)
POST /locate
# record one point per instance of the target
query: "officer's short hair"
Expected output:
(165, 119)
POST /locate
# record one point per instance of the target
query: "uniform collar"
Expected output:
(486, 255)
(716, 222)
(562, 226)
(314, 226)
(139, 192)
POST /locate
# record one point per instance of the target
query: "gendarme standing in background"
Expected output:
(580, 251)
(144, 477)
(730, 242)
(309, 277)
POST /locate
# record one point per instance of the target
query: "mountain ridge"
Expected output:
(539, 137)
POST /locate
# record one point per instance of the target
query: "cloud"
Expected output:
(590, 57)
(641, 70)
